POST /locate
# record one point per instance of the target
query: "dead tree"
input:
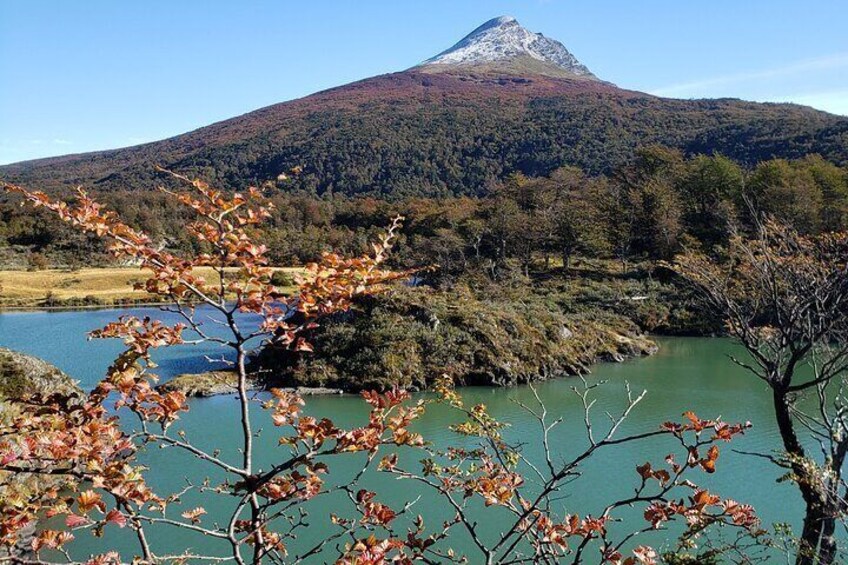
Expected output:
(784, 297)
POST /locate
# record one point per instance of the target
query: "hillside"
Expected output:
(489, 106)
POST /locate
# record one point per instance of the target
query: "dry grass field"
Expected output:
(84, 287)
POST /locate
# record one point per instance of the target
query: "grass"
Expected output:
(83, 287)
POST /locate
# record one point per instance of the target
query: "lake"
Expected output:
(686, 374)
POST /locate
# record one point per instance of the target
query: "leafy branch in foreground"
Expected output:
(92, 442)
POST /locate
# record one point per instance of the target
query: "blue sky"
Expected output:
(93, 74)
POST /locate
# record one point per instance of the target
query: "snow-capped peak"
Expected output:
(504, 39)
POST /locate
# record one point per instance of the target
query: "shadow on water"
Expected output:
(191, 363)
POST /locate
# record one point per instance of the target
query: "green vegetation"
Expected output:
(649, 208)
(542, 276)
(484, 336)
(436, 135)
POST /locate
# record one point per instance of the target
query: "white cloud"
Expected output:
(54, 141)
(697, 88)
(833, 101)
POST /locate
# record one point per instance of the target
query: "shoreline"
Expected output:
(212, 384)
(91, 288)
(119, 306)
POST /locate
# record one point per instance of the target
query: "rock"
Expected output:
(628, 346)
(211, 383)
(214, 383)
(612, 357)
(23, 549)
(315, 390)
(24, 375)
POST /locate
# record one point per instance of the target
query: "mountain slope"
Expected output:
(451, 131)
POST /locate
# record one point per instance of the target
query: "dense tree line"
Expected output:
(651, 208)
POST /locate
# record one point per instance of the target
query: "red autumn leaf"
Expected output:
(116, 517)
(74, 521)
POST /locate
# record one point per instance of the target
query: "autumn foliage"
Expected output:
(84, 449)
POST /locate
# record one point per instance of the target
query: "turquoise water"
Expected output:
(687, 373)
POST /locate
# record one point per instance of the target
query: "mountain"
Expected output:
(501, 100)
(502, 43)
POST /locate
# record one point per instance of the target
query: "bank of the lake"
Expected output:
(686, 373)
(81, 288)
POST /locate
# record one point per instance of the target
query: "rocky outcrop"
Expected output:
(214, 383)
(503, 40)
(412, 336)
(210, 383)
(24, 375)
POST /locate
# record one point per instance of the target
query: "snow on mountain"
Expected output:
(504, 39)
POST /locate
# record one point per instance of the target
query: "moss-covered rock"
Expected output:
(214, 383)
(23, 375)
(211, 383)
(413, 335)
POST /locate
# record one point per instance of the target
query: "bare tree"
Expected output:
(785, 299)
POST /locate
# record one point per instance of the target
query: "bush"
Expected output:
(282, 279)
(38, 262)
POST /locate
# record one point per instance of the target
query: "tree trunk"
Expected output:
(810, 536)
(827, 553)
(836, 505)
(814, 515)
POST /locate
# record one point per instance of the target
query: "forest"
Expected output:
(657, 204)
(539, 277)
